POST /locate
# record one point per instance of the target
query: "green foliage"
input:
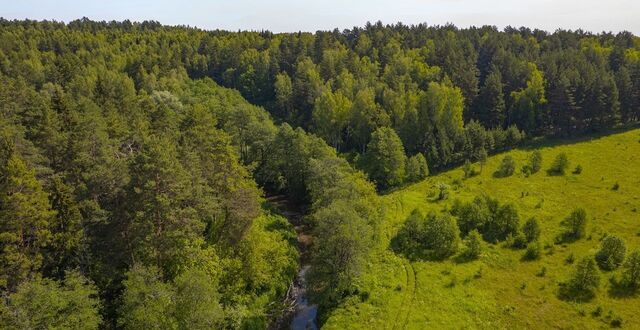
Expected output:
(343, 238)
(517, 241)
(496, 222)
(611, 253)
(197, 301)
(65, 248)
(468, 169)
(504, 222)
(26, 218)
(531, 229)
(535, 161)
(44, 304)
(490, 106)
(385, 159)
(147, 301)
(473, 245)
(473, 215)
(575, 225)
(432, 237)
(330, 116)
(533, 251)
(584, 281)
(631, 271)
(528, 102)
(417, 168)
(559, 165)
(507, 167)
(118, 146)
(577, 170)
(443, 191)
(284, 95)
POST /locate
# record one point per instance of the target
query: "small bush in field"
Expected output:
(560, 165)
(507, 167)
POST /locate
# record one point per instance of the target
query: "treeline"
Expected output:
(132, 198)
(425, 82)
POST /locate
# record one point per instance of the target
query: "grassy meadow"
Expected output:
(500, 289)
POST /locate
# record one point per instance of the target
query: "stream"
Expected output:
(301, 313)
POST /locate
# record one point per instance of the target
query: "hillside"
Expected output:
(139, 164)
(499, 290)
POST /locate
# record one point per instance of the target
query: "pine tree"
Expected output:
(63, 252)
(626, 91)
(563, 107)
(490, 106)
(25, 216)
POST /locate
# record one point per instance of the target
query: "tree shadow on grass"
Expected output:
(621, 290)
(464, 258)
(568, 292)
(404, 246)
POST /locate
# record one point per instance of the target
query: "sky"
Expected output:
(292, 16)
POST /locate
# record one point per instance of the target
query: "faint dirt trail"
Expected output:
(402, 317)
(414, 288)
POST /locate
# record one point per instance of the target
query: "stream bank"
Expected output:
(299, 313)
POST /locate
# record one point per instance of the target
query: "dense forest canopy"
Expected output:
(132, 182)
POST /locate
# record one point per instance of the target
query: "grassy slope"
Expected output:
(508, 294)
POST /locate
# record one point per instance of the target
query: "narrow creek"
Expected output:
(300, 313)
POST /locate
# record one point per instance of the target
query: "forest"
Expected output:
(137, 159)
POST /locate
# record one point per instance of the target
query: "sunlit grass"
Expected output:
(499, 290)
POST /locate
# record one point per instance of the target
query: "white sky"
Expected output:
(289, 15)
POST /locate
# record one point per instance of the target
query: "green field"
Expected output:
(499, 290)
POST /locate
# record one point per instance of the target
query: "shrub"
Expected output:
(494, 221)
(612, 252)
(443, 191)
(577, 170)
(507, 167)
(616, 322)
(417, 168)
(533, 252)
(519, 241)
(468, 169)
(584, 282)
(433, 236)
(535, 161)
(542, 272)
(504, 222)
(615, 187)
(441, 235)
(575, 225)
(531, 229)
(473, 244)
(571, 258)
(631, 272)
(472, 215)
(513, 136)
(560, 165)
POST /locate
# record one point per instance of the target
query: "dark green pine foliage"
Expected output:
(626, 90)
(490, 107)
(26, 218)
